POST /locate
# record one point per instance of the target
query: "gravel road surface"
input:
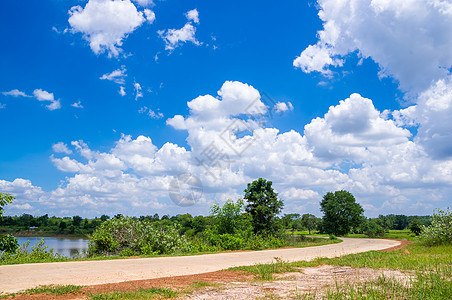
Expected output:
(14, 278)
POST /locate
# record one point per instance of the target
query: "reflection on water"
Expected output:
(65, 246)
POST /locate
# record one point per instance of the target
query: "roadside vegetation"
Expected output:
(251, 223)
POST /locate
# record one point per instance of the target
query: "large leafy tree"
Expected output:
(309, 222)
(263, 205)
(341, 212)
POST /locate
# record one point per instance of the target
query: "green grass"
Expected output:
(431, 267)
(266, 271)
(53, 290)
(151, 293)
(392, 234)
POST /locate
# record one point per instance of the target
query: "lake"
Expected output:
(64, 246)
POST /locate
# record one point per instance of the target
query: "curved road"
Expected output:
(14, 278)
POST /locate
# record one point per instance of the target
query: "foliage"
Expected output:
(230, 218)
(8, 243)
(416, 226)
(341, 212)
(129, 236)
(5, 199)
(263, 206)
(372, 229)
(38, 253)
(310, 222)
(440, 231)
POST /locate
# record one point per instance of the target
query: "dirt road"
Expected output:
(19, 277)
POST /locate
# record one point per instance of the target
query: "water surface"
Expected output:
(65, 246)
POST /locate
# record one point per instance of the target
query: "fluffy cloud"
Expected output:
(106, 23)
(193, 15)
(61, 147)
(175, 37)
(42, 95)
(353, 146)
(410, 40)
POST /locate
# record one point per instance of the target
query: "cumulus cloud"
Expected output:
(353, 146)
(175, 37)
(283, 107)
(150, 15)
(61, 147)
(105, 24)
(410, 40)
(42, 95)
(193, 15)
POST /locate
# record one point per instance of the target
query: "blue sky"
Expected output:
(103, 103)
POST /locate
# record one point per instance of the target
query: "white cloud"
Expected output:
(175, 37)
(193, 15)
(283, 107)
(410, 40)
(42, 95)
(353, 147)
(151, 113)
(61, 147)
(106, 23)
(77, 104)
(138, 92)
(144, 3)
(150, 15)
(117, 76)
(122, 91)
(15, 93)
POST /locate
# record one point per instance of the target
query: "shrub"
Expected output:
(372, 229)
(8, 243)
(440, 231)
(38, 253)
(129, 236)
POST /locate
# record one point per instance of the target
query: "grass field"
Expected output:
(392, 234)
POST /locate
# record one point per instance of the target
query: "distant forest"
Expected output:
(28, 225)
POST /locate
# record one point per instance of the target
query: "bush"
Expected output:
(8, 243)
(372, 229)
(129, 236)
(38, 253)
(440, 231)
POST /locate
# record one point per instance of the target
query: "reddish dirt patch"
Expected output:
(174, 283)
(401, 246)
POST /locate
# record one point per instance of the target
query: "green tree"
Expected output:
(5, 199)
(263, 206)
(230, 217)
(309, 222)
(416, 226)
(341, 212)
